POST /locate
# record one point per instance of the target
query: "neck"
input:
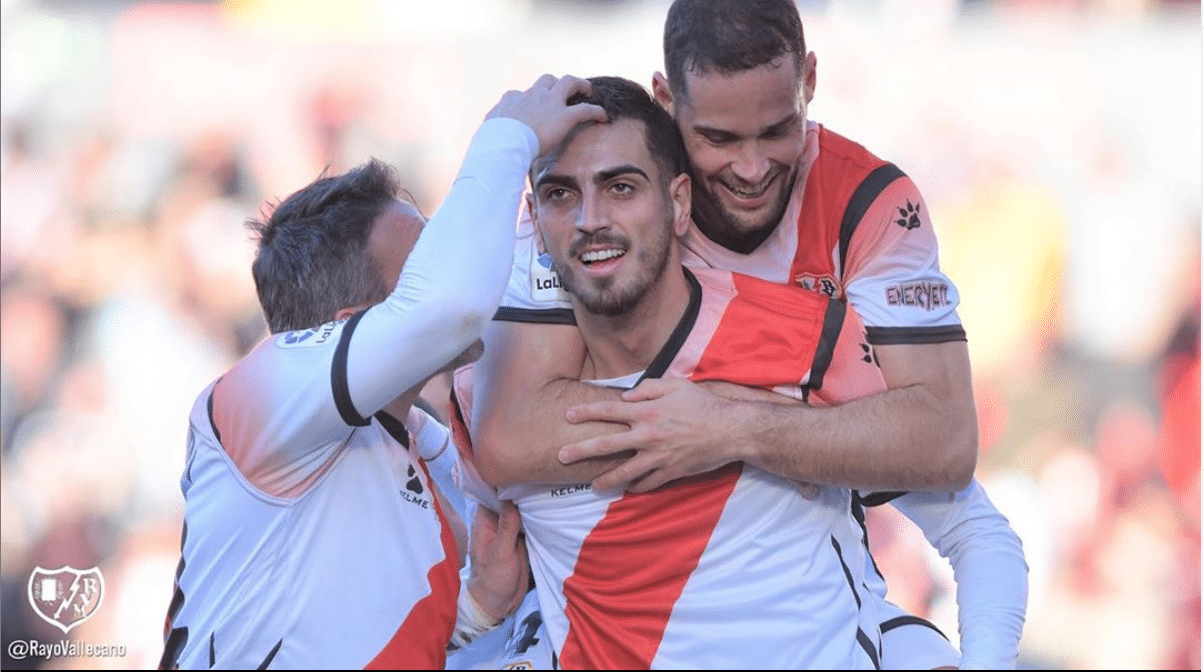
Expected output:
(623, 344)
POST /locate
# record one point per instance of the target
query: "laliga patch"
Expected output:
(308, 338)
(545, 282)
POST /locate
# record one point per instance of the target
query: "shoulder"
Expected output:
(837, 152)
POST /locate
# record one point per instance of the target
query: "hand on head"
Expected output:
(544, 108)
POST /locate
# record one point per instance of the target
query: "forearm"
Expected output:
(900, 439)
(518, 439)
(452, 281)
(988, 566)
(522, 386)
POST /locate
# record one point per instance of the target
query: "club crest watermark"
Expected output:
(66, 597)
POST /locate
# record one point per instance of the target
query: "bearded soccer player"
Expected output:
(785, 199)
(732, 568)
(313, 535)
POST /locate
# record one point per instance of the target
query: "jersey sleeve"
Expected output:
(282, 411)
(844, 367)
(988, 567)
(534, 293)
(892, 273)
(455, 277)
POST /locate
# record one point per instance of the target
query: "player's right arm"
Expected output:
(446, 293)
(524, 383)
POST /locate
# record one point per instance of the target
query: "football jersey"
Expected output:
(855, 228)
(735, 568)
(357, 569)
(864, 235)
(313, 535)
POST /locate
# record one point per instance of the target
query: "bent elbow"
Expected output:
(963, 456)
(487, 440)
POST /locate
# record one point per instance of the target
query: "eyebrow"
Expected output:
(792, 118)
(600, 177)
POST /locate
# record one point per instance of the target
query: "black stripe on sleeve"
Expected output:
(681, 332)
(848, 575)
(879, 498)
(914, 335)
(868, 645)
(394, 427)
(338, 376)
(212, 422)
(899, 621)
(537, 316)
(829, 334)
(861, 200)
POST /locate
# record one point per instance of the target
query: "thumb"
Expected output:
(509, 522)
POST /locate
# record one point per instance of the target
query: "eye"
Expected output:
(555, 194)
(718, 140)
(622, 188)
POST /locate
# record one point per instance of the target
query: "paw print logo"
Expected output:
(413, 485)
(868, 355)
(909, 217)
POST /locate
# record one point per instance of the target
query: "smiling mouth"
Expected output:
(751, 192)
(594, 256)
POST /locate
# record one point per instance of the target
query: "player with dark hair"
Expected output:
(785, 199)
(314, 536)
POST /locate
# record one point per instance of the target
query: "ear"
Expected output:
(345, 313)
(662, 92)
(533, 213)
(680, 192)
(809, 78)
(530, 200)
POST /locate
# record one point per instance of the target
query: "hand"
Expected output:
(500, 571)
(543, 108)
(678, 428)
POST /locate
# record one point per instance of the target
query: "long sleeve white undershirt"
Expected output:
(453, 280)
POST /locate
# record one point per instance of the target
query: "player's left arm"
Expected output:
(988, 566)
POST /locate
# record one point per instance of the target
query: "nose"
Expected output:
(593, 215)
(751, 162)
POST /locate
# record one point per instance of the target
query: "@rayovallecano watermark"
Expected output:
(65, 598)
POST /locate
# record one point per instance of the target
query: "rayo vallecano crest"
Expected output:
(66, 597)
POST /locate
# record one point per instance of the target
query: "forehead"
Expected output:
(401, 218)
(744, 101)
(393, 236)
(600, 147)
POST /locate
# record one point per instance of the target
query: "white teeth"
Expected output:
(600, 255)
(748, 193)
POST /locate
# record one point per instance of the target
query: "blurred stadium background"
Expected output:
(1058, 144)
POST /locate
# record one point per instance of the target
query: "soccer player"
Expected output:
(785, 199)
(313, 535)
(733, 568)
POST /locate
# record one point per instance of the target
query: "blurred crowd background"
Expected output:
(1058, 144)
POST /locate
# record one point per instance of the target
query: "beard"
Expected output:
(737, 231)
(613, 296)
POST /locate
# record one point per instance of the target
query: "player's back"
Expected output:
(350, 565)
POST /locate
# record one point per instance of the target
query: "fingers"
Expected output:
(601, 411)
(509, 523)
(623, 476)
(596, 447)
(581, 113)
(545, 81)
(651, 388)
